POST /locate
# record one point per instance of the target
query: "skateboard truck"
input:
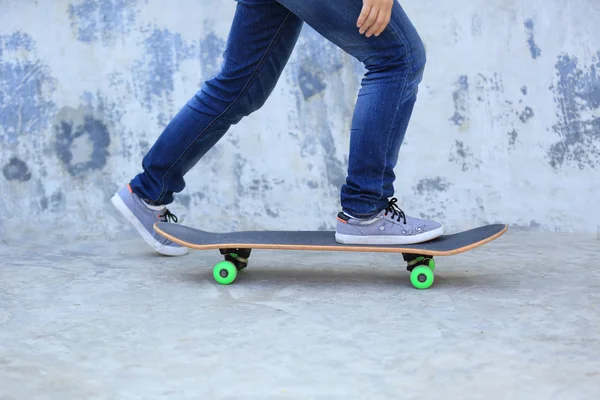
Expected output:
(414, 260)
(239, 257)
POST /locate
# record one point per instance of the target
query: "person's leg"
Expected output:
(394, 61)
(260, 42)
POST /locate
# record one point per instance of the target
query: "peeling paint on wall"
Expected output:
(311, 83)
(211, 54)
(318, 58)
(334, 168)
(154, 73)
(505, 110)
(26, 87)
(104, 20)
(318, 61)
(577, 96)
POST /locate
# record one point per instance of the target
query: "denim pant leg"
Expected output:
(394, 62)
(260, 42)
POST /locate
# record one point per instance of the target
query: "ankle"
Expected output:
(152, 206)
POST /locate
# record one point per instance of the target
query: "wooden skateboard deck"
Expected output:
(236, 246)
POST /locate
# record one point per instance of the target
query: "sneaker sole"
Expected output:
(129, 216)
(389, 240)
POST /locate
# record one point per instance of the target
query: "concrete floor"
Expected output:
(106, 319)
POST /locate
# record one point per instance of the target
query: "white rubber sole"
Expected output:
(389, 239)
(148, 238)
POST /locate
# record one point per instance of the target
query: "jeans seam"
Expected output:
(162, 191)
(387, 144)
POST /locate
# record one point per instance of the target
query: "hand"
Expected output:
(375, 16)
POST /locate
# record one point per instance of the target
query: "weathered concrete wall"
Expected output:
(506, 128)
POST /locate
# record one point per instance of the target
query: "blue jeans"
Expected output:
(261, 40)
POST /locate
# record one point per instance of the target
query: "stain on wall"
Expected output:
(491, 83)
(431, 185)
(526, 115)
(311, 82)
(524, 90)
(16, 170)
(577, 97)
(461, 96)
(53, 202)
(462, 155)
(513, 136)
(533, 47)
(81, 141)
(476, 25)
(312, 75)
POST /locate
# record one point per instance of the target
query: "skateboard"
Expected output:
(236, 247)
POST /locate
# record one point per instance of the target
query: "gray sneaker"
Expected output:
(143, 218)
(390, 226)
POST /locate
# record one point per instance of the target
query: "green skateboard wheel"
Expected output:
(225, 272)
(421, 277)
(431, 264)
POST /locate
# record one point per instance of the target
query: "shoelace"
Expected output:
(395, 210)
(168, 216)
